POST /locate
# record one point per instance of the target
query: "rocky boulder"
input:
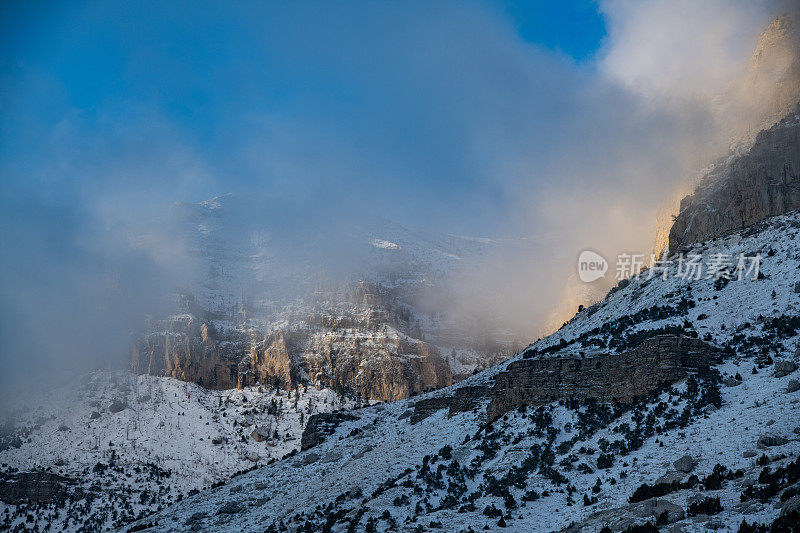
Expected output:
(261, 434)
(784, 367)
(766, 441)
(230, 508)
(684, 464)
(117, 406)
(730, 381)
(671, 477)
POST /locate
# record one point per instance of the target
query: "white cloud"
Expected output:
(682, 48)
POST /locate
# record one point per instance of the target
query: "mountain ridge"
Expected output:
(471, 495)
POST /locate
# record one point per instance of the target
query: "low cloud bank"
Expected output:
(437, 115)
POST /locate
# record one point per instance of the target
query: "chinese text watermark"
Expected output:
(592, 266)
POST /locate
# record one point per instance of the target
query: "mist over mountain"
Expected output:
(490, 136)
(313, 266)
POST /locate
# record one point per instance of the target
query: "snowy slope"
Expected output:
(170, 438)
(544, 469)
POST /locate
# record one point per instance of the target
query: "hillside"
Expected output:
(436, 461)
(115, 446)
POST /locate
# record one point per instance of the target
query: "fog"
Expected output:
(436, 115)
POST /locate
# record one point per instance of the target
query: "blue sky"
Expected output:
(383, 84)
(574, 28)
(562, 122)
(103, 51)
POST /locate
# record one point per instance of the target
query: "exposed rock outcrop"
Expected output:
(261, 434)
(42, 487)
(622, 518)
(464, 399)
(117, 406)
(320, 426)
(621, 378)
(376, 365)
(767, 441)
(762, 183)
(767, 92)
(783, 367)
(182, 347)
(684, 464)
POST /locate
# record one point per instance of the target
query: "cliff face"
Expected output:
(278, 310)
(377, 363)
(770, 87)
(380, 367)
(658, 361)
(763, 182)
(184, 349)
(619, 378)
(767, 92)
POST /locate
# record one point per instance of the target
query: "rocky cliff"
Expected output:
(767, 92)
(257, 310)
(184, 349)
(658, 361)
(747, 188)
(377, 363)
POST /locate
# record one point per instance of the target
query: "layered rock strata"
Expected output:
(656, 362)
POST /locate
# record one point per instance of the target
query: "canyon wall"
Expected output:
(609, 378)
(746, 185)
(658, 361)
(371, 362)
(762, 183)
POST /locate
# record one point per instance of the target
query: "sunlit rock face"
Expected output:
(338, 309)
(184, 350)
(737, 193)
(767, 92)
(770, 88)
(374, 365)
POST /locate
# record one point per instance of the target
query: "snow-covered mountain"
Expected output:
(120, 446)
(673, 403)
(356, 308)
(708, 450)
(115, 446)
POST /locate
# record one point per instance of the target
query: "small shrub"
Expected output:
(706, 506)
(605, 460)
